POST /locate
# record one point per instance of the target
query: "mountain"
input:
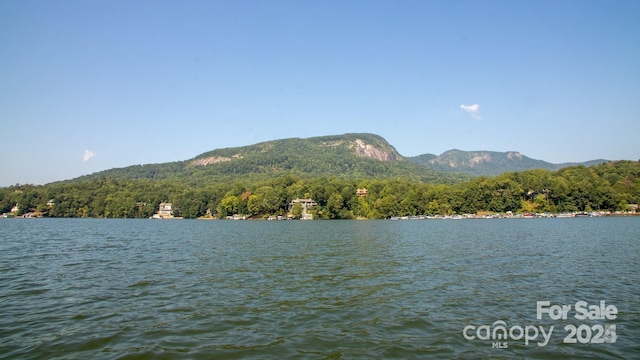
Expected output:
(356, 155)
(487, 163)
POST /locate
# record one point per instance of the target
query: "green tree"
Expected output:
(297, 210)
(387, 206)
(228, 206)
(334, 205)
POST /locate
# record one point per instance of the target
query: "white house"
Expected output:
(306, 204)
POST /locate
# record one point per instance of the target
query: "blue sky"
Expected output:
(92, 85)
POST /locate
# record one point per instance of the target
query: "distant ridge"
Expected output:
(352, 155)
(487, 163)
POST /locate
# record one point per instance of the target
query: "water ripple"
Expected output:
(131, 289)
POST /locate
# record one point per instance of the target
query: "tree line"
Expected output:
(605, 187)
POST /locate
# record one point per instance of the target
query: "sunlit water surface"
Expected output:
(93, 288)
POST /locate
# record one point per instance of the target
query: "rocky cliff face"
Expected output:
(214, 159)
(460, 159)
(370, 146)
(367, 150)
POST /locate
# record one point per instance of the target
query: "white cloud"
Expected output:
(472, 110)
(88, 154)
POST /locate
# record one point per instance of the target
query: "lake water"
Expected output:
(135, 289)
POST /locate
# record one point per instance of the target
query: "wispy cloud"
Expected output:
(472, 110)
(88, 154)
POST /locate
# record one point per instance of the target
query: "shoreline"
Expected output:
(413, 217)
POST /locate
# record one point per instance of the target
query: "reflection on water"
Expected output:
(322, 289)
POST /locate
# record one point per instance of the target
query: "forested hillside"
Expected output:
(611, 186)
(345, 156)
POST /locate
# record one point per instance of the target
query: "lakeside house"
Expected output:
(306, 204)
(165, 211)
(362, 192)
